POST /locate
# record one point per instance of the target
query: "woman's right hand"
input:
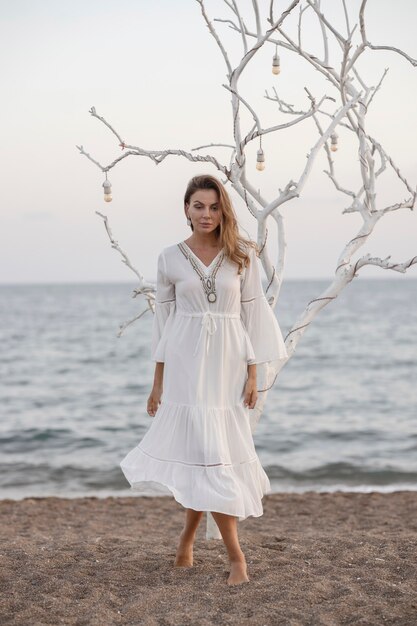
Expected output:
(154, 400)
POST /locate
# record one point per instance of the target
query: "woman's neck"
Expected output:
(204, 241)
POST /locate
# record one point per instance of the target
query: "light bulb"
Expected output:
(260, 160)
(276, 64)
(107, 191)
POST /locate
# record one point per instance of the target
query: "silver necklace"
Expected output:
(208, 281)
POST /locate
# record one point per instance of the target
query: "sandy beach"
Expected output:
(325, 559)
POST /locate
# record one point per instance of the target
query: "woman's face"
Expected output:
(204, 210)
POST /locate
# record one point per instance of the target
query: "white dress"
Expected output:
(199, 447)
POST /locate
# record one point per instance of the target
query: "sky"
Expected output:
(154, 72)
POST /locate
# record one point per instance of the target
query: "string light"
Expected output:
(334, 144)
(107, 190)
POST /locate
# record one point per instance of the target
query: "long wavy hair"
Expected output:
(235, 246)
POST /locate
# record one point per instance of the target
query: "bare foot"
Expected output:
(184, 556)
(238, 573)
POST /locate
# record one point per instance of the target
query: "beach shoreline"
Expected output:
(313, 558)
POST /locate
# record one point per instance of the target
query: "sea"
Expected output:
(342, 415)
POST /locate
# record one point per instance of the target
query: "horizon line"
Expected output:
(124, 282)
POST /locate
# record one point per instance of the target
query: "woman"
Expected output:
(211, 327)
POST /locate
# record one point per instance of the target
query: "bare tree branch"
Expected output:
(366, 43)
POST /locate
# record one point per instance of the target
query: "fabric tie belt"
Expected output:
(208, 323)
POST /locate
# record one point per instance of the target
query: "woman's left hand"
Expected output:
(250, 393)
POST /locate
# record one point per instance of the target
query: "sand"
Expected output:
(325, 559)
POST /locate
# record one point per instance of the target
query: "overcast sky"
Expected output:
(154, 72)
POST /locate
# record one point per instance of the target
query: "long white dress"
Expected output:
(199, 447)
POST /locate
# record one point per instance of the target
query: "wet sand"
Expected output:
(313, 559)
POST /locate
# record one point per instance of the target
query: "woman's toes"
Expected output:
(183, 561)
(238, 573)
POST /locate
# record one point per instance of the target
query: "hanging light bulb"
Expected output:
(276, 64)
(260, 160)
(334, 145)
(107, 191)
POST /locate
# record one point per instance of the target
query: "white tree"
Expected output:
(351, 99)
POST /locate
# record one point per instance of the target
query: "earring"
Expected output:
(188, 221)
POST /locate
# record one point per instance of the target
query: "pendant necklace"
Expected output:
(208, 281)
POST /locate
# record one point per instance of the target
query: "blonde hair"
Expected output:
(235, 246)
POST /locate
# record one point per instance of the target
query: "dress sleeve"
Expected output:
(264, 340)
(164, 311)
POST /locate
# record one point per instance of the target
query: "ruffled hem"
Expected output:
(204, 456)
(235, 489)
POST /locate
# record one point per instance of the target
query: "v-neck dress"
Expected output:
(199, 446)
